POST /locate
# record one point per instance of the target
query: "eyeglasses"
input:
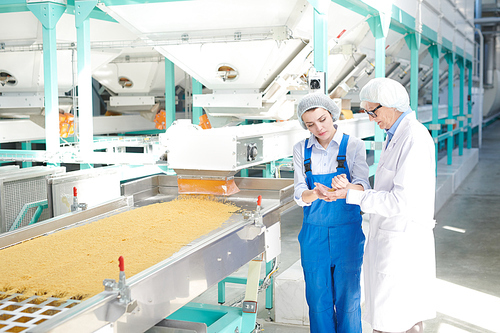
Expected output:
(372, 112)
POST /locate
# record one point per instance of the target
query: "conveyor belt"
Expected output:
(163, 288)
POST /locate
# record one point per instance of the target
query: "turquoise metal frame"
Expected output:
(39, 205)
(413, 40)
(403, 23)
(450, 59)
(398, 20)
(48, 14)
(461, 117)
(379, 26)
(320, 36)
(435, 51)
(26, 145)
(197, 110)
(14, 6)
(83, 8)
(169, 93)
(469, 105)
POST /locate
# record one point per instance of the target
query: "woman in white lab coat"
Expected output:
(399, 261)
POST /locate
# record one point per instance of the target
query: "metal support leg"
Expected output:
(413, 42)
(197, 111)
(26, 145)
(461, 123)
(379, 26)
(221, 287)
(270, 169)
(270, 289)
(83, 8)
(169, 93)
(435, 51)
(450, 59)
(249, 315)
(379, 70)
(48, 14)
(320, 37)
(469, 106)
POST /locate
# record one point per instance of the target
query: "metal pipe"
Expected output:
(487, 20)
(497, 115)
(491, 33)
(481, 90)
(350, 67)
(490, 61)
(479, 11)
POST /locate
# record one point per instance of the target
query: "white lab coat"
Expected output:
(399, 262)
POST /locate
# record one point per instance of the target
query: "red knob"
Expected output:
(259, 200)
(122, 264)
(74, 191)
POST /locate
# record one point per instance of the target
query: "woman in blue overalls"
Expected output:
(331, 239)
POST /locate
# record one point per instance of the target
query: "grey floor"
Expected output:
(467, 252)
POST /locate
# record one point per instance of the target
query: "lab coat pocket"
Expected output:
(384, 179)
(392, 252)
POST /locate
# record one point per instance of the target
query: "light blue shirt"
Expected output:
(324, 161)
(390, 132)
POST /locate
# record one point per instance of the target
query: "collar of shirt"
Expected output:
(337, 137)
(390, 132)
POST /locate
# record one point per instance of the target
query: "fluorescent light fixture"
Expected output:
(447, 227)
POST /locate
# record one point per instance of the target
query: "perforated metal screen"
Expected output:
(20, 192)
(22, 187)
(19, 313)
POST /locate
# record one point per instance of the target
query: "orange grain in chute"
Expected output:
(207, 186)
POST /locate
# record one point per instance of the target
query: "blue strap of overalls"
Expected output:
(341, 159)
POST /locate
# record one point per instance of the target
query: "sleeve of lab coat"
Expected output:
(406, 184)
(360, 170)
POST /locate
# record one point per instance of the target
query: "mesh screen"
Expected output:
(20, 192)
(19, 313)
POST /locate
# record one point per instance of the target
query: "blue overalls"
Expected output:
(331, 248)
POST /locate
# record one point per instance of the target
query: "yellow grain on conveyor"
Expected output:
(72, 263)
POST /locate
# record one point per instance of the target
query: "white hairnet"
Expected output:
(317, 100)
(387, 92)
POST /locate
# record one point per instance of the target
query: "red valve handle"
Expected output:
(74, 191)
(121, 264)
(259, 200)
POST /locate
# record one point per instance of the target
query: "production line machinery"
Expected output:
(143, 301)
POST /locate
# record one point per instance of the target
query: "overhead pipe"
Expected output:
(490, 61)
(487, 21)
(479, 12)
(392, 67)
(350, 68)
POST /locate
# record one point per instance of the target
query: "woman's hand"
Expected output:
(323, 192)
(340, 182)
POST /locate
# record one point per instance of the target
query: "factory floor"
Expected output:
(467, 253)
